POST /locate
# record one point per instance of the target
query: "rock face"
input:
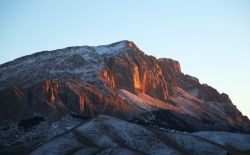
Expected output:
(116, 79)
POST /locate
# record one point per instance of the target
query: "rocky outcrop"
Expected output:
(87, 81)
(138, 73)
(209, 94)
(170, 70)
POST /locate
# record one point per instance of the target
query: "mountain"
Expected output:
(117, 80)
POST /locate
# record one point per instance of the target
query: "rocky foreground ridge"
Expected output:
(108, 135)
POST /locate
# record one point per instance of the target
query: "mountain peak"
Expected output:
(115, 47)
(124, 43)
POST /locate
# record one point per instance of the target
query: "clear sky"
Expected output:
(211, 39)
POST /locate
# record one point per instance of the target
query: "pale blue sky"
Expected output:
(211, 39)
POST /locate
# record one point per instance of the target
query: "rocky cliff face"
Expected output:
(116, 79)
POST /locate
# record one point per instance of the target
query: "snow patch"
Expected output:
(107, 49)
(238, 141)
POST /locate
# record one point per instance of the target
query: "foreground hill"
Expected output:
(109, 135)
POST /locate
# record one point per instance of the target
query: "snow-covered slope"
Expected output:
(82, 62)
(235, 140)
(108, 135)
(146, 102)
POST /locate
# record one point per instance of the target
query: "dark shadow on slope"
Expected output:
(29, 123)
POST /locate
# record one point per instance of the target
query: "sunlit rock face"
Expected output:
(116, 79)
(170, 70)
(138, 73)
